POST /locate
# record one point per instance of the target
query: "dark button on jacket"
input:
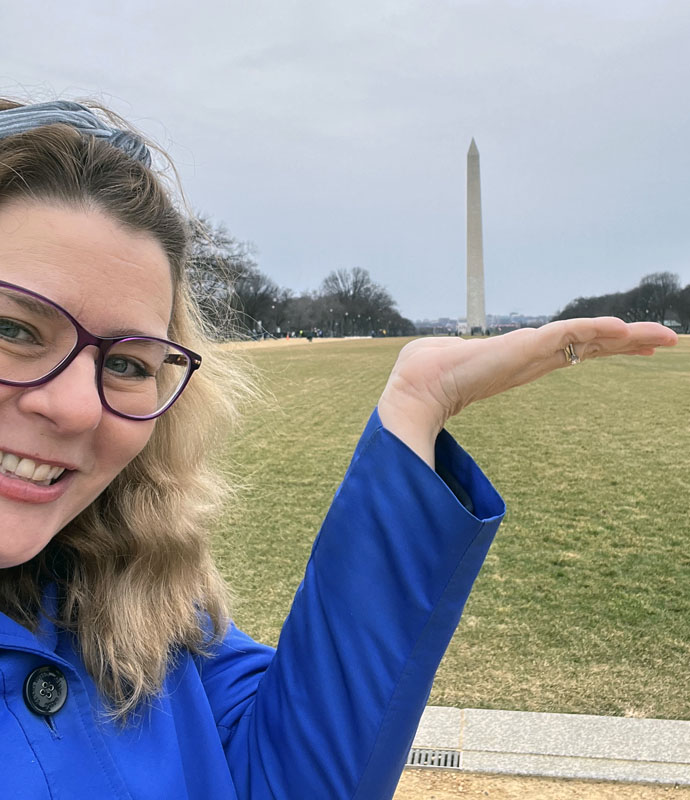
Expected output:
(45, 690)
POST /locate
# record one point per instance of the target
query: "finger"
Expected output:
(642, 336)
(603, 349)
(587, 330)
(652, 334)
(552, 339)
(605, 335)
(600, 348)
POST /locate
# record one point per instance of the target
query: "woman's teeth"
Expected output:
(43, 474)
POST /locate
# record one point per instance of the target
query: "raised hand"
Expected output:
(435, 378)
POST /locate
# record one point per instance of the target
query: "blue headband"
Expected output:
(24, 118)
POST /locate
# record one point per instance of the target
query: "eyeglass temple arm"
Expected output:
(180, 361)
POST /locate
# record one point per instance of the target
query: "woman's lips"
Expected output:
(25, 491)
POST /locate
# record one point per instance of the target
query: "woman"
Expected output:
(120, 676)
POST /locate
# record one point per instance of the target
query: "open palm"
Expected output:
(435, 378)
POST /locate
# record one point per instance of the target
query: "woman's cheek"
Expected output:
(121, 440)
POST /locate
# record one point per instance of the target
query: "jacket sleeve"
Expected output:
(331, 715)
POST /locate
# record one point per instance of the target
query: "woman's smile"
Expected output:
(14, 486)
(35, 469)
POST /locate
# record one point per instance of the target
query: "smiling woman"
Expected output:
(112, 251)
(120, 672)
(50, 403)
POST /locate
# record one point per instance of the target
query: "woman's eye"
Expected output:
(13, 331)
(123, 367)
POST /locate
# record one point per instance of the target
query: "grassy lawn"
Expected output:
(584, 602)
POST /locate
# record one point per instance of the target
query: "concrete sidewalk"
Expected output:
(557, 745)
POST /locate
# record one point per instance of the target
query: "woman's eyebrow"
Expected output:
(38, 307)
(45, 310)
(118, 332)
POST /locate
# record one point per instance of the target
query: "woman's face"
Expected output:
(111, 280)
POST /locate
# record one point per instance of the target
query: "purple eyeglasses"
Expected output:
(138, 377)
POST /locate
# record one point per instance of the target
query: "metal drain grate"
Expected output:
(433, 759)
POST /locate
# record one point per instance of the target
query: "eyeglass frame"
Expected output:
(103, 344)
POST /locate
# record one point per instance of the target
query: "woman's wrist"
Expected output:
(412, 423)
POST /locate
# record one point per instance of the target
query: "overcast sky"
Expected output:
(334, 134)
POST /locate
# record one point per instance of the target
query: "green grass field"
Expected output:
(583, 604)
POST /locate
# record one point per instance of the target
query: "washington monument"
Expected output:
(476, 311)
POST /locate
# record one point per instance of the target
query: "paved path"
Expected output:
(558, 745)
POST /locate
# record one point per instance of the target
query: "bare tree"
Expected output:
(652, 299)
(660, 289)
(233, 294)
(602, 305)
(363, 303)
(217, 262)
(681, 308)
(259, 301)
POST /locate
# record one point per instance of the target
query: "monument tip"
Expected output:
(473, 148)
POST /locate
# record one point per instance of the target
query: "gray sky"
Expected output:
(334, 134)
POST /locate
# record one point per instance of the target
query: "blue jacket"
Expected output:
(331, 713)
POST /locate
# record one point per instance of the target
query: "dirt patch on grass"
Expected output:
(419, 784)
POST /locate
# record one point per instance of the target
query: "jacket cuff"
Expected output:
(455, 467)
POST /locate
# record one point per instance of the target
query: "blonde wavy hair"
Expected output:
(136, 580)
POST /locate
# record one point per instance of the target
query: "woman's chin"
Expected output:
(20, 543)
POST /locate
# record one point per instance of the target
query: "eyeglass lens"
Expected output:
(139, 376)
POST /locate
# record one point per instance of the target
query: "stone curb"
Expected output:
(560, 745)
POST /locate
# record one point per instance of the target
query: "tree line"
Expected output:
(658, 297)
(235, 297)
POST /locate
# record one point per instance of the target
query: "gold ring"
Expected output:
(571, 355)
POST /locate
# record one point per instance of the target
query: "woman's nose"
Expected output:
(70, 400)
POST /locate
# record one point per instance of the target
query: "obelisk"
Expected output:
(476, 312)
